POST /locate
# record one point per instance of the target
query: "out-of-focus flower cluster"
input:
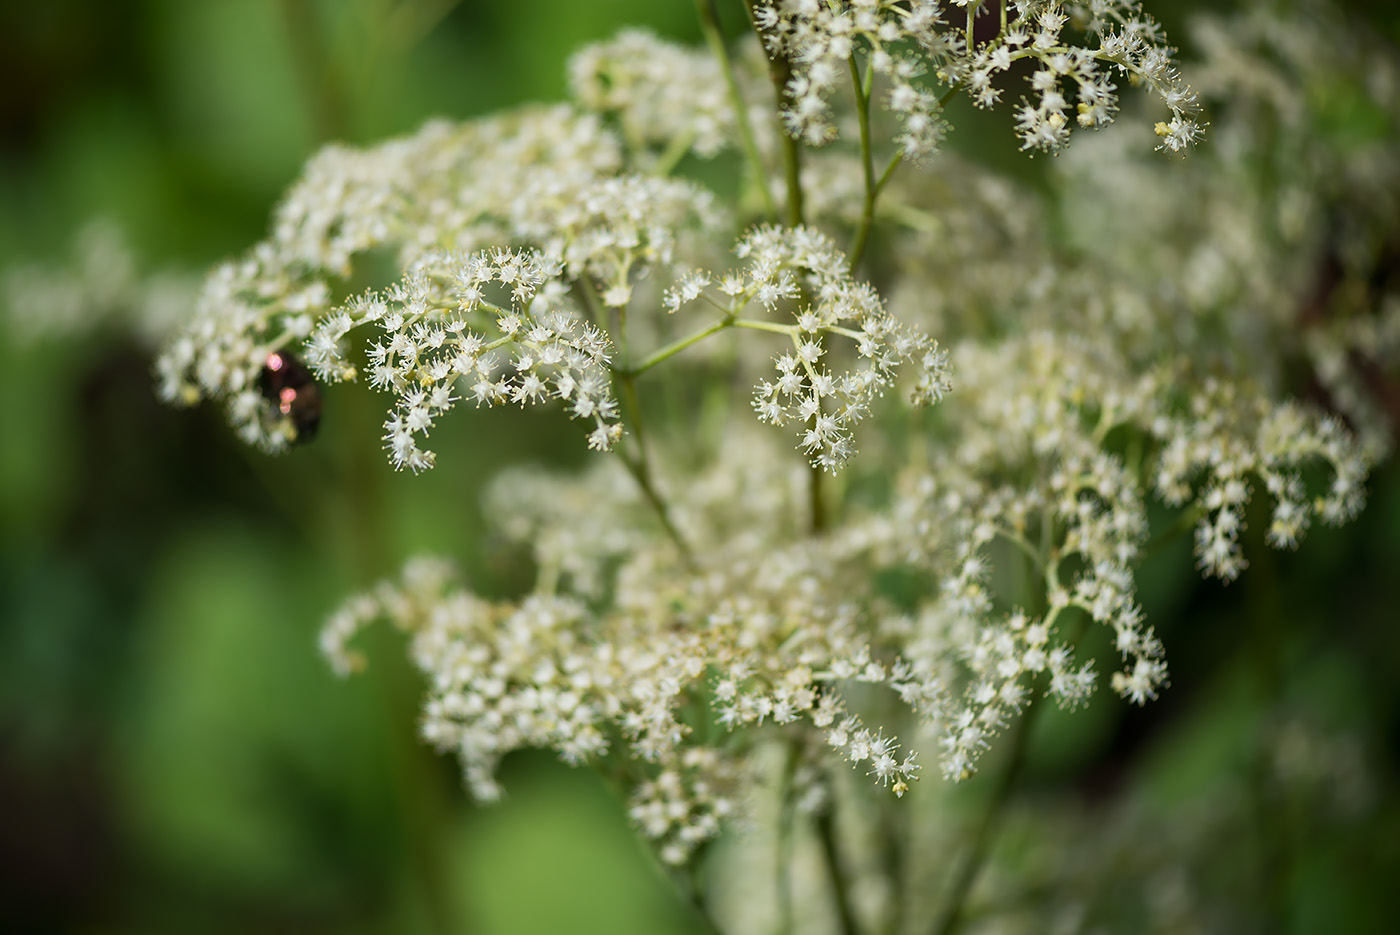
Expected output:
(661, 92)
(101, 289)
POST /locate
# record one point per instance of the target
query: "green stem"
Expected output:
(1184, 523)
(415, 772)
(316, 70)
(867, 162)
(952, 915)
(867, 215)
(760, 325)
(672, 155)
(689, 885)
(714, 36)
(792, 173)
(816, 475)
(675, 347)
(583, 287)
(780, 73)
(639, 465)
(826, 832)
(873, 185)
(786, 810)
(893, 822)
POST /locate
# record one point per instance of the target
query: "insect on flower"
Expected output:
(288, 385)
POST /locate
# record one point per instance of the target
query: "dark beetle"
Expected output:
(288, 385)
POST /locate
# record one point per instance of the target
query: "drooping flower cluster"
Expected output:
(1042, 396)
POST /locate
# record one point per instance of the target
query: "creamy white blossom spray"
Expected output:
(880, 437)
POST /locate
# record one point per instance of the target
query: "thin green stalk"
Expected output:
(792, 173)
(952, 916)
(672, 155)
(892, 826)
(786, 816)
(780, 73)
(873, 184)
(675, 347)
(589, 296)
(884, 179)
(867, 215)
(413, 768)
(689, 885)
(816, 474)
(826, 833)
(867, 162)
(760, 325)
(639, 465)
(714, 36)
(1184, 523)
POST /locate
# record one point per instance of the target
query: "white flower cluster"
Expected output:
(1127, 41)
(903, 40)
(821, 40)
(446, 198)
(801, 268)
(428, 349)
(221, 352)
(548, 673)
(1086, 504)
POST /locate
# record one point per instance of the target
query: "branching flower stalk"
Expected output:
(704, 596)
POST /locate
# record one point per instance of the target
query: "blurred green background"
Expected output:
(175, 756)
